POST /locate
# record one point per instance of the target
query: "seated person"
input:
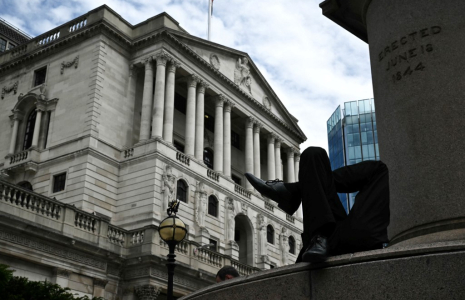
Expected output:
(225, 273)
(328, 230)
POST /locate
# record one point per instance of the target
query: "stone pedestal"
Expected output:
(416, 53)
(232, 249)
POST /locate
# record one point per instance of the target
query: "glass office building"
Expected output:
(352, 138)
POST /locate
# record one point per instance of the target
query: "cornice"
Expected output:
(105, 27)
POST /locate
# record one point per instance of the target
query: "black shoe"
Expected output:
(273, 189)
(317, 251)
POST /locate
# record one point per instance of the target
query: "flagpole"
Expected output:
(209, 16)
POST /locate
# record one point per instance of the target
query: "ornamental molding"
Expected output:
(266, 102)
(146, 292)
(52, 249)
(215, 61)
(8, 89)
(69, 64)
(103, 27)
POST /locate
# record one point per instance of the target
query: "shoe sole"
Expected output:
(314, 257)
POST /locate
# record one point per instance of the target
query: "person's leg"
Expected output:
(366, 226)
(320, 204)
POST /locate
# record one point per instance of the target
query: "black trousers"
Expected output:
(365, 227)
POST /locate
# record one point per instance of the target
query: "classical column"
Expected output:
(44, 132)
(190, 115)
(290, 165)
(200, 121)
(35, 137)
(169, 103)
(270, 158)
(256, 148)
(146, 101)
(249, 149)
(17, 116)
(159, 96)
(218, 143)
(228, 105)
(277, 146)
(296, 164)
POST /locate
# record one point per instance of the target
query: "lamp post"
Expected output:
(172, 230)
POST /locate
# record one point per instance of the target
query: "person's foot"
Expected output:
(317, 251)
(273, 189)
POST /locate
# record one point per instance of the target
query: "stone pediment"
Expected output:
(240, 69)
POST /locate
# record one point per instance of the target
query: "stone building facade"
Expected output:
(103, 122)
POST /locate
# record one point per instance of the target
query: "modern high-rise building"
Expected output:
(352, 138)
(102, 123)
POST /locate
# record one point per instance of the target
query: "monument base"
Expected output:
(427, 271)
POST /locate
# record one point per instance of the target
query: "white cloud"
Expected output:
(312, 64)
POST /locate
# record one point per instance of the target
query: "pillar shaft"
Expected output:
(249, 149)
(169, 103)
(218, 143)
(227, 139)
(44, 131)
(256, 149)
(290, 166)
(14, 135)
(277, 146)
(146, 101)
(270, 159)
(159, 97)
(190, 115)
(35, 137)
(200, 122)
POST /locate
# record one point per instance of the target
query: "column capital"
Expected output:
(147, 292)
(17, 114)
(192, 80)
(148, 63)
(40, 105)
(290, 152)
(277, 142)
(173, 65)
(162, 58)
(256, 128)
(271, 137)
(62, 272)
(219, 100)
(297, 157)
(202, 87)
(249, 121)
(228, 105)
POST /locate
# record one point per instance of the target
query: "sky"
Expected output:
(312, 64)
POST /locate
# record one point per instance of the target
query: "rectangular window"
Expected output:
(180, 103)
(59, 182)
(236, 180)
(2, 45)
(39, 76)
(235, 140)
(11, 46)
(209, 122)
(214, 245)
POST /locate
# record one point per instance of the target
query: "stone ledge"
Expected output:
(433, 271)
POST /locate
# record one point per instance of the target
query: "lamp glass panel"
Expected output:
(166, 233)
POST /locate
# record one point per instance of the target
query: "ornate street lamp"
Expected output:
(172, 230)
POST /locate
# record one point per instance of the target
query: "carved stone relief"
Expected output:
(146, 292)
(168, 186)
(266, 102)
(7, 89)
(200, 204)
(230, 216)
(215, 61)
(261, 226)
(242, 74)
(68, 64)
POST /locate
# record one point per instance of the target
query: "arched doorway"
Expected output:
(243, 235)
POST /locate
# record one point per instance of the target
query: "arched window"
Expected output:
(291, 245)
(270, 234)
(181, 191)
(208, 157)
(213, 206)
(29, 133)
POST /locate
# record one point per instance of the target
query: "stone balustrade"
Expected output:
(116, 235)
(78, 24)
(137, 237)
(182, 158)
(290, 218)
(269, 206)
(48, 37)
(213, 175)
(244, 270)
(210, 257)
(18, 157)
(85, 221)
(241, 191)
